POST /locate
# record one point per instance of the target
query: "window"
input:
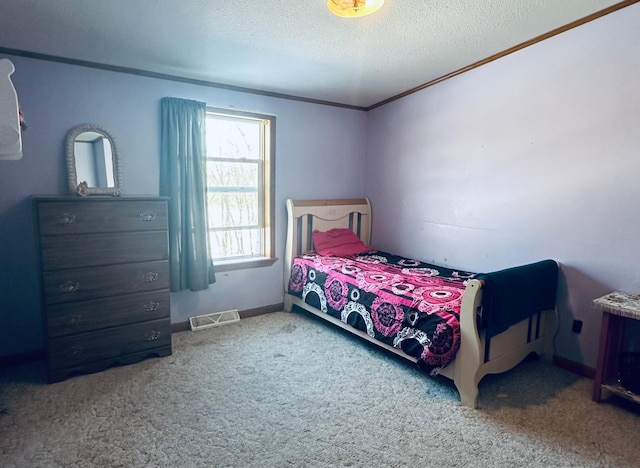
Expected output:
(240, 188)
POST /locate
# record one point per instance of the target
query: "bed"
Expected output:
(458, 324)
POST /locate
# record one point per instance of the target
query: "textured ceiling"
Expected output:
(291, 47)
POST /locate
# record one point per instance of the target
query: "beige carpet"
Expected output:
(285, 390)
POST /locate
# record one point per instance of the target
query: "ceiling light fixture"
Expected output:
(354, 8)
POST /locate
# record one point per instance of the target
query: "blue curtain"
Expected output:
(183, 179)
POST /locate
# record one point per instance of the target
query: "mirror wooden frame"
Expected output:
(82, 188)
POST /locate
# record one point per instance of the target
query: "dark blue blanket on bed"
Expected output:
(514, 294)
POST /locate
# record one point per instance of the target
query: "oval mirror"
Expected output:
(92, 161)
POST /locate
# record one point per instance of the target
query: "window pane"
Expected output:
(229, 209)
(232, 174)
(240, 174)
(233, 138)
(236, 243)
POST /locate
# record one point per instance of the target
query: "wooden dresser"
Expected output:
(105, 281)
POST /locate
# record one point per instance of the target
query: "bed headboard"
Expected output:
(304, 216)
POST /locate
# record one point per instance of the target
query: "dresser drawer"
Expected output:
(97, 282)
(108, 343)
(86, 216)
(81, 250)
(75, 317)
(59, 252)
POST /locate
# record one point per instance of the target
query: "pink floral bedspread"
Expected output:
(408, 304)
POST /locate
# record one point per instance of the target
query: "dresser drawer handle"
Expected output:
(74, 351)
(147, 216)
(74, 318)
(150, 277)
(66, 218)
(150, 306)
(69, 286)
(153, 335)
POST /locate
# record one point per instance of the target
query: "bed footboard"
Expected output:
(479, 356)
(465, 369)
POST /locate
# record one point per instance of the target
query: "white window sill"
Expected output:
(243, 263)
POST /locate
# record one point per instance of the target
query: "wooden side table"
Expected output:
(617, 307)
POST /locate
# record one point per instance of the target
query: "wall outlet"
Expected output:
(577, 326)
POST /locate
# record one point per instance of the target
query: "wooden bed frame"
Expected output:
(475, 358)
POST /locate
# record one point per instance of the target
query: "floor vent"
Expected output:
(216, 319)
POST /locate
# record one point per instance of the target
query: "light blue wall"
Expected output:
(319, 154)
(533, 156)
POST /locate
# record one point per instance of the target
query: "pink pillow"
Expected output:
(338, 242)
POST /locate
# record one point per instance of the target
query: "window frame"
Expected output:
(268, 182)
